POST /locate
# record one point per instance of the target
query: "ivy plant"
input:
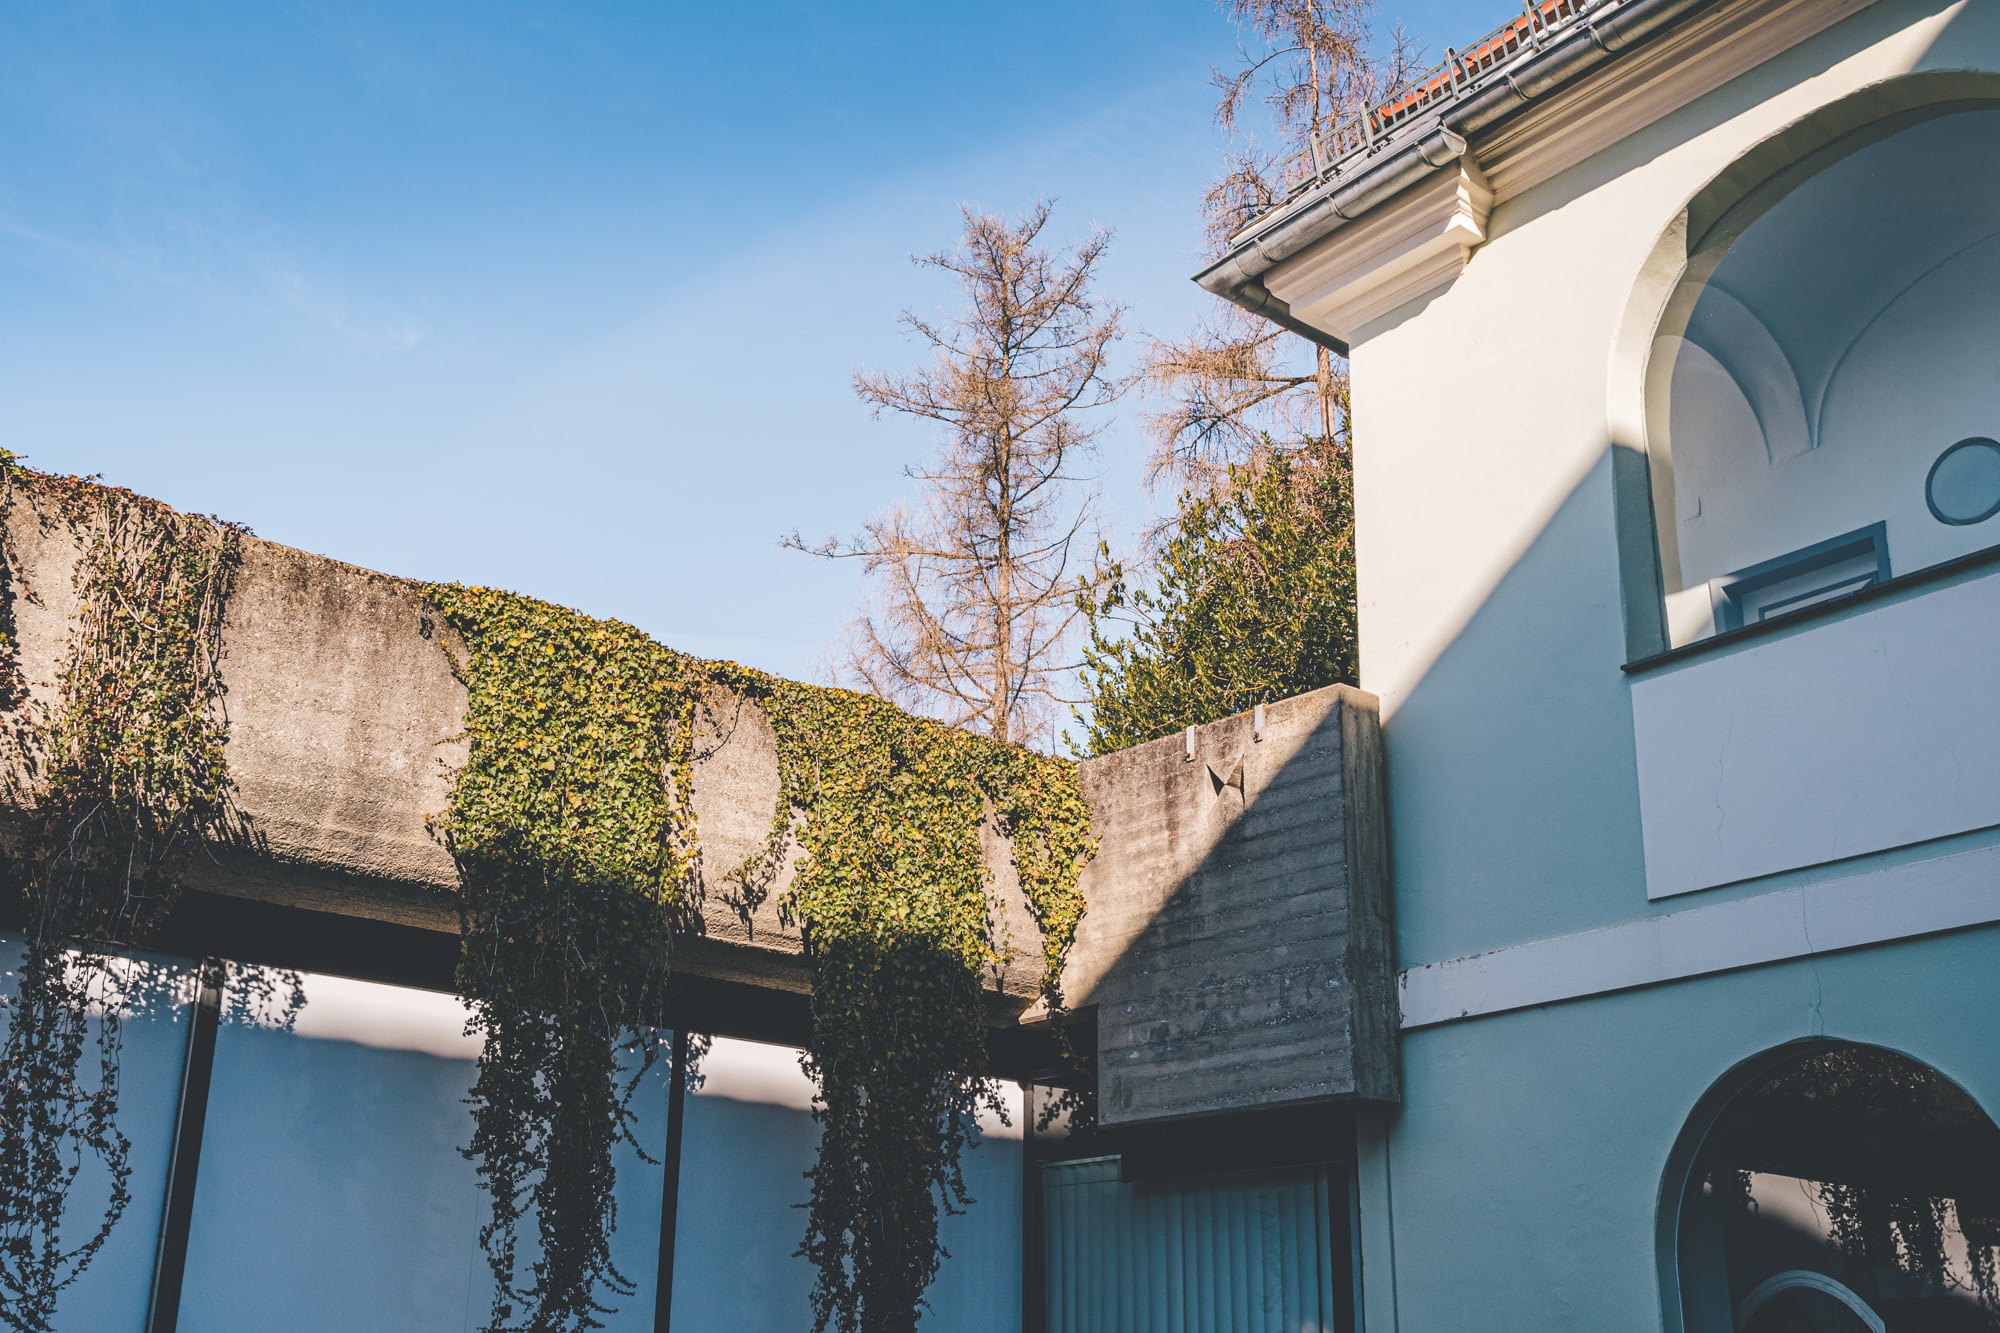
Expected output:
(895, 903)
(576, 842)
(1251, 599)
(127, 777)
(572, 826)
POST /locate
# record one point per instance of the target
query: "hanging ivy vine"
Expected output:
(575, 844)
(1912, 1234)
(13, 686)
(895, 904)
(128, 777)
(1874, 1224)
(572, 827)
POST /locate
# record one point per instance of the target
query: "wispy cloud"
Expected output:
(322, 301)
(211, 258)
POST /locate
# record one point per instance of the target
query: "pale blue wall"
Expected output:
(1519, 1185)
(332, 1195)
(750, 1139)
(113, 1293)
(1526, 1163)
(1512, 783)
(1514, 802)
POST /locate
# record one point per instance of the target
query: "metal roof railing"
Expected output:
(1338, 141)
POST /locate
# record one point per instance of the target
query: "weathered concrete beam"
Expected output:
(345, 725)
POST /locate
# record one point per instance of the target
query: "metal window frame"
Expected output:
(670, 1189)
(1732, 592)
(163, 1311)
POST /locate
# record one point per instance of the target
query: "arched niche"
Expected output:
(1817, 327)
(1833, 1186)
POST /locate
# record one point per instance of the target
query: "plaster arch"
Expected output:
(1760, 371)
(1681, 1249)
(1681, 269)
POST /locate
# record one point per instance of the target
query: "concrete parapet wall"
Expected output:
(1237, 942)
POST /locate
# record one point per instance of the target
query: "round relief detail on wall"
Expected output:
(1964, 483)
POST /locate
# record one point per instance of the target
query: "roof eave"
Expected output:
(1238, 277)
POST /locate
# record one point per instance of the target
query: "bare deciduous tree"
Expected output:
(973, 617)
(1236, 382)
(1226, 390)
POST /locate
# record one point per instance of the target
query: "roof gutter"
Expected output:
(1239, 275)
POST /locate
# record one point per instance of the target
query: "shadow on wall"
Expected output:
(332, 1192)
(1514, 772)
(1514, 778)
(1511, 765)
(1800, 408)
(154, 997)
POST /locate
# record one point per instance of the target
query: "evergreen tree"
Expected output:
(1251, 599)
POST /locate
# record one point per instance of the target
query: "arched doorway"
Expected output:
(1835, 1188)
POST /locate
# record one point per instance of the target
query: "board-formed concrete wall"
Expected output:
(1237, 942)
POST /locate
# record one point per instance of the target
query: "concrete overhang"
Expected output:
(345, 724)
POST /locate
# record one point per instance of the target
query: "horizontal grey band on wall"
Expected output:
(1849, 912)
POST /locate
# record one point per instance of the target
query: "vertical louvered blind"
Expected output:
(1249, 1253)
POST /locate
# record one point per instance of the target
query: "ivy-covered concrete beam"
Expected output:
(346, 725)
(1234, 937)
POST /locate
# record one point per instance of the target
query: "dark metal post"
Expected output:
(170, 1263)
(670, 1193)
(1345, 1189)
(1034, 1284)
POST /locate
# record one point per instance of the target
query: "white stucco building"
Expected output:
(1676, 372)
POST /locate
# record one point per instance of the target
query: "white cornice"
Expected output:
(1878, 905)
(1417, 243)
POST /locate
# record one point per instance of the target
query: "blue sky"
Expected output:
(564, 298)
